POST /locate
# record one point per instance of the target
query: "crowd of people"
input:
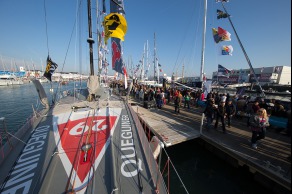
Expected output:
(218, 107)
(223, 107)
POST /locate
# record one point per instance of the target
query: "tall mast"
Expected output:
(99, 63)
(90, 39)
(245, 54)
(147, 62)
(182, 73)
(203, 44)
(132, 68)
(155, 68)
(143, 69)
(2, 63)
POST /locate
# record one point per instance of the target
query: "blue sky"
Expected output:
(264, 27)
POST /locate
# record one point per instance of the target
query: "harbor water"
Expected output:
(18, 102)
(200, 170)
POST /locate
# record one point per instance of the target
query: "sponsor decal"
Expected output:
(21, 177)
(82, 141)
(130, 166)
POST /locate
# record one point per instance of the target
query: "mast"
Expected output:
(90, 39)
(244, 52)
(182, 73)
(203, 44)
(155, 65)
(2, 63)
(147, 62)
(142, 71)
(132, 68)
(99, 63)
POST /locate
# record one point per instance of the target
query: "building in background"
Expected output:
(280, 75)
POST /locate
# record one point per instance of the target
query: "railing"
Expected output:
(8, 140)
(167, 168)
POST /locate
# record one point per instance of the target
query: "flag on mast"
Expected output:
(221, 14)
(221, 35)
(223, 71)
(227, 50)
(115, 25)
(117, 16)
(224, 1)
(50, 69)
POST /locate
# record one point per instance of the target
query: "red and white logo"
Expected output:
(82, 139)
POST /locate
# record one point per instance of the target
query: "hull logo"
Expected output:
(82, 149)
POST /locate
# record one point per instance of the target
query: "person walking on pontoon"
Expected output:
(258, 124)
(221, 114)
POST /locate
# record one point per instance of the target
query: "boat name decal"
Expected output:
(24, 171)
(130, 166)
(72, 132)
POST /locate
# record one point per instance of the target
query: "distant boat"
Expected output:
(6, 80)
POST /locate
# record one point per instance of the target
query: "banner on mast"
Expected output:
(226, 50)
(221, 35)
(223, 71)
(115, 25)
(224, 1)
(221, 14)
(50, 69)
(117, 9)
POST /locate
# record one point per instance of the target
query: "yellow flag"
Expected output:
(115, 25)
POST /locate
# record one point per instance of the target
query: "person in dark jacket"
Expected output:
(210, 112)
(252, 109)
(221, 114)
(177, 102)
(158, 98)
(230, 111)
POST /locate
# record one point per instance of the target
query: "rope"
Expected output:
(8, 115)
(185, 36)
(15, 137)
(166, 164)
(47, 37)
(188, 66)
(72, 32)
(77, 155)
(175, 171)
(244, 52)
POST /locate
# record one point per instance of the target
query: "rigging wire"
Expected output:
(278, 137)
(69, 43)
(170, 162)
(72, 32)
(46, 22)
(195, 44)
(182, 42)
(245, 54)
